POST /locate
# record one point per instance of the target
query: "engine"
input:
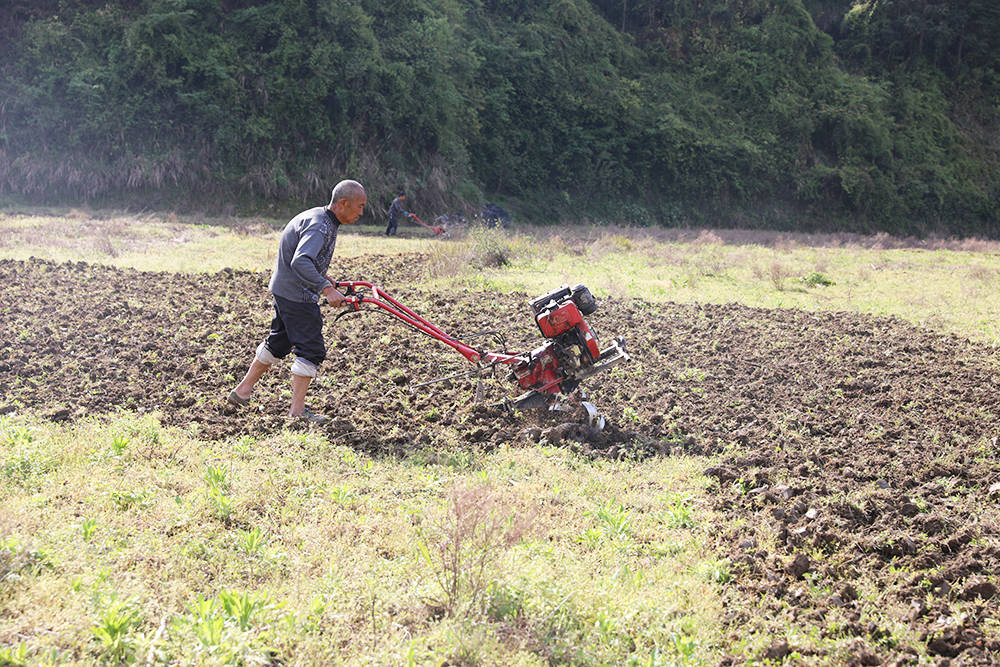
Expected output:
(571, 346)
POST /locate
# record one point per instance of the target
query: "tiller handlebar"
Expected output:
(569, 355)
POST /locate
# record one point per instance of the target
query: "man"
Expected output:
(394, 210)
(298, 280)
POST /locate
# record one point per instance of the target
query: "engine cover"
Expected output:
(559, 319)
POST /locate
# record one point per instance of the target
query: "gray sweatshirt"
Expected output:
(304, 255)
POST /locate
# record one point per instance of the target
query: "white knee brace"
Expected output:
(302, 367)
(264, 355)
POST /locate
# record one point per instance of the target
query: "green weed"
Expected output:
(816, 279)
(127, 500)
(678, 514)
(119, 444)
(87, 529)
(218, 485)
(215, 477)
(614, 521)
(112, 630)
(14, 656)
(252, 541)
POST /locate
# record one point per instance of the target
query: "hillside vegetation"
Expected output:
(805, 114)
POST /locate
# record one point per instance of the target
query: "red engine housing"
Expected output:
(572, 345)
(563, 317)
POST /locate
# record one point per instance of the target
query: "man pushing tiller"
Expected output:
(546, 375)
(298, 280)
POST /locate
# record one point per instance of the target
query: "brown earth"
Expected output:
(857, 459)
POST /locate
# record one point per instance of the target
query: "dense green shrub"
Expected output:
(883, 116)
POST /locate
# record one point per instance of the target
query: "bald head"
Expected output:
(348, 201)
(346, 189)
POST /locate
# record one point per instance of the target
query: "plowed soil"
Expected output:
(857, 458)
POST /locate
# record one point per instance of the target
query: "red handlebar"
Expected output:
(379, 298)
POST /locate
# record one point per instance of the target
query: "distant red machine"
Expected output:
(437, 230)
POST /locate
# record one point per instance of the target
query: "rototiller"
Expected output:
(554, 370)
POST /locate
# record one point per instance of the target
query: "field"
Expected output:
(800, 464)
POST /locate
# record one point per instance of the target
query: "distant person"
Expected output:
(395, 210)
(299, 278)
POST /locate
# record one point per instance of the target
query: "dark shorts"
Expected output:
(297, 326)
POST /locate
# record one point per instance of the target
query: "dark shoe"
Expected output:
(236, 399)
(312, 417)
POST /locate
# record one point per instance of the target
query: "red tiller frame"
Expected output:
(398, 310)
(436, 230)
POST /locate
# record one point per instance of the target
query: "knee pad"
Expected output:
(302, 367)
(264, 355)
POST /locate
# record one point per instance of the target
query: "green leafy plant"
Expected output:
(241, 607)
(613, 519)
(252, 541)
(816, 279)
(343, 495)
(221, 503)
(14, 656)
(215, 477)
(131, 499)
(678, 514)
(112, 629)
(119, 444)
(218, 486)
(87, 529)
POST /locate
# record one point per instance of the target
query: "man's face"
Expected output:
(350, 209)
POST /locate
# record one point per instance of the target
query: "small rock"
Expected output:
(994, 489)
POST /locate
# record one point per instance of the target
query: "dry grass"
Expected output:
(338, 557)
(877, 274)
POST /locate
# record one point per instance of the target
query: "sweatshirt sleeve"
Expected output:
(304, 260)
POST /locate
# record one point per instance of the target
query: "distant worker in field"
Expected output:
(396, 209)
(299, 278)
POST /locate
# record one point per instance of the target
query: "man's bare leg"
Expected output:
(300, 383)
(254, 373)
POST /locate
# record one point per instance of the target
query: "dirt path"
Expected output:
(858, 460)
